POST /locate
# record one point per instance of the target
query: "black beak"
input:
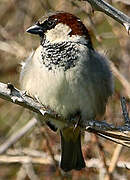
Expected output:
(35, 29)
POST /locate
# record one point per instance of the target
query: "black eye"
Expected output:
(51, 23)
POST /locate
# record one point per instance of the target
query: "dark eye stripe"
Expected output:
(48, 24)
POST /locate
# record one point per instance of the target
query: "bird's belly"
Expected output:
(60, 90)
(53, 89)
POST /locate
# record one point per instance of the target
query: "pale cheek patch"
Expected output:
(58, 34)
(61, 33)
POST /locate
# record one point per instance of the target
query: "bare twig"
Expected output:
(119, 147)
(21, 175)
(115, 136)
(102, 155)
(16, 136)
(45, 134)
(27, 168)
(125, 112)
(30, 171)
(96, 163)
(101, 5)
(14, 48)
(114, 160)
(55, 162)
(121, 78)
(25, 159)
(26, 151)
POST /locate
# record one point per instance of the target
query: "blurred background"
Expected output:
(109, 37)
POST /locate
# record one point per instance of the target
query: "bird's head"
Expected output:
(59, 27)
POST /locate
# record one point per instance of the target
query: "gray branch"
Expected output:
(17, 135)
(120, 134)
(101, 5)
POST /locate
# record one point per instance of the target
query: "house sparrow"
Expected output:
(66, 74)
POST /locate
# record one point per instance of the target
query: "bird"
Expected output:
(70, 77)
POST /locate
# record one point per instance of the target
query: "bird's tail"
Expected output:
(72, 157)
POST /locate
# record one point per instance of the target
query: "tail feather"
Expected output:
(72, 157)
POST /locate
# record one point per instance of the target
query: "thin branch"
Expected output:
(27, 168)
(102, 155)
(14, 48)
(121, 78)
(125, 112)
(21, 175)
(101, 5)
(114, 160)
(45, 135)
(55, 162)
(25, 159)
(30, 171)
(17, 135)
(26, 151)
(96, 163)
